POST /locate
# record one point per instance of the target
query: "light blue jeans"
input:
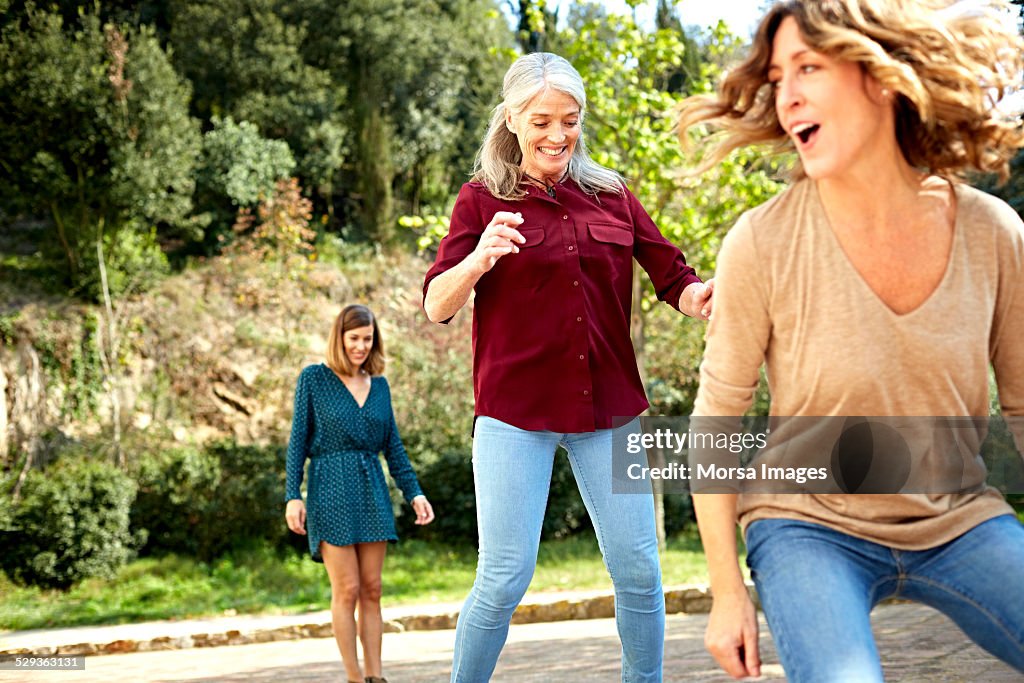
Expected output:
(817, 586)
(512, 471)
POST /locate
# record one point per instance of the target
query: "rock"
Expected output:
(231, 401)
(247, 372)
(119, 646)
(434, 622)
(161, 643)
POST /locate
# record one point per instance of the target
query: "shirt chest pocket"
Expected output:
(609, 247)
(526, 268)
(611, 234)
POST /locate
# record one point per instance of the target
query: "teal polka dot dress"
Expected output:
(347, 498)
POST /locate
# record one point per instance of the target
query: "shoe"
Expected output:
(376, 679)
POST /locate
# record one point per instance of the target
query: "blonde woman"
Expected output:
(342, 422)
(876, 284)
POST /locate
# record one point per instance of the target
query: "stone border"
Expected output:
(683, 600)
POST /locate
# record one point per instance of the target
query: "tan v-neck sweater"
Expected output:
(786, 295)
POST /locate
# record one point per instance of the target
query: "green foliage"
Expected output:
(249, 501)
(205, 502)
(239, 167)
(429, 362)
(420, 77)
(448, 482)
(429, 230)
(134, 262)
(96, 133)
(175, 488)
(1012, 191)
(71, 524)
(249, 580)
(245, 61)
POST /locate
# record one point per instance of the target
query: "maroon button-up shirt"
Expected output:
(551, 344)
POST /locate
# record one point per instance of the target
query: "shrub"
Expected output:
(133, 260)
(70, 524)
(249, 502)
(204, 503)
(238, 167)
(175, 487)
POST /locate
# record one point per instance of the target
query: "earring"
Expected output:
(885, 93)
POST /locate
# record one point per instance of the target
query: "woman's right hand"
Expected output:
(295, 515)
(731, 635)
(499, 238)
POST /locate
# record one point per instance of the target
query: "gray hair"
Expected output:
(497, 162)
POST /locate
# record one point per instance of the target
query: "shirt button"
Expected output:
(575, 283)
(565, 217)
(586, 393)
(571, 248)
(581, 357)
(579, 318)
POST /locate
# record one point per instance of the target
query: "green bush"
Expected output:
(71, 523)
(175, 490)
(237, 169)
(204, 503)
(249, 501)
(133, 260)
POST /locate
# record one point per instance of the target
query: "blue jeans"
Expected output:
(512, 470)
(817, 587)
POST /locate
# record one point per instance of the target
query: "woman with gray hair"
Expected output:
(546, 238)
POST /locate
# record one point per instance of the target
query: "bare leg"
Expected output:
(371, 563)
(342, 565)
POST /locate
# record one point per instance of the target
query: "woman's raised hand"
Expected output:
(499, 238)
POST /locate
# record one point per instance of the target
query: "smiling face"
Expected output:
(836, 114)
(358, 341)
(547, 130)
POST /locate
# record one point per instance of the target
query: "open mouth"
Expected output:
(806, 131)
(552, 151)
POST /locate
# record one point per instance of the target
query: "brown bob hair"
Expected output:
(947, 64)
(351, 317)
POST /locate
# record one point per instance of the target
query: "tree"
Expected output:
(96, 136)
(417, 74)
(245, 61)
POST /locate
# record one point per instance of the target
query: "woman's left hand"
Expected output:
(697, 299)
(424, 512)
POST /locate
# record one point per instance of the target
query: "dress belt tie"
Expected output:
(367, 457)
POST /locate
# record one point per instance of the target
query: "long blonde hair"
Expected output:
(497, 162)
(947, 64)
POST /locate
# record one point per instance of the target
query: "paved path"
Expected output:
(917, 644)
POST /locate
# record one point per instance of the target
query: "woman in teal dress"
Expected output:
(342, 422)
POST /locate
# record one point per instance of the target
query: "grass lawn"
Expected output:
(259, 580)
